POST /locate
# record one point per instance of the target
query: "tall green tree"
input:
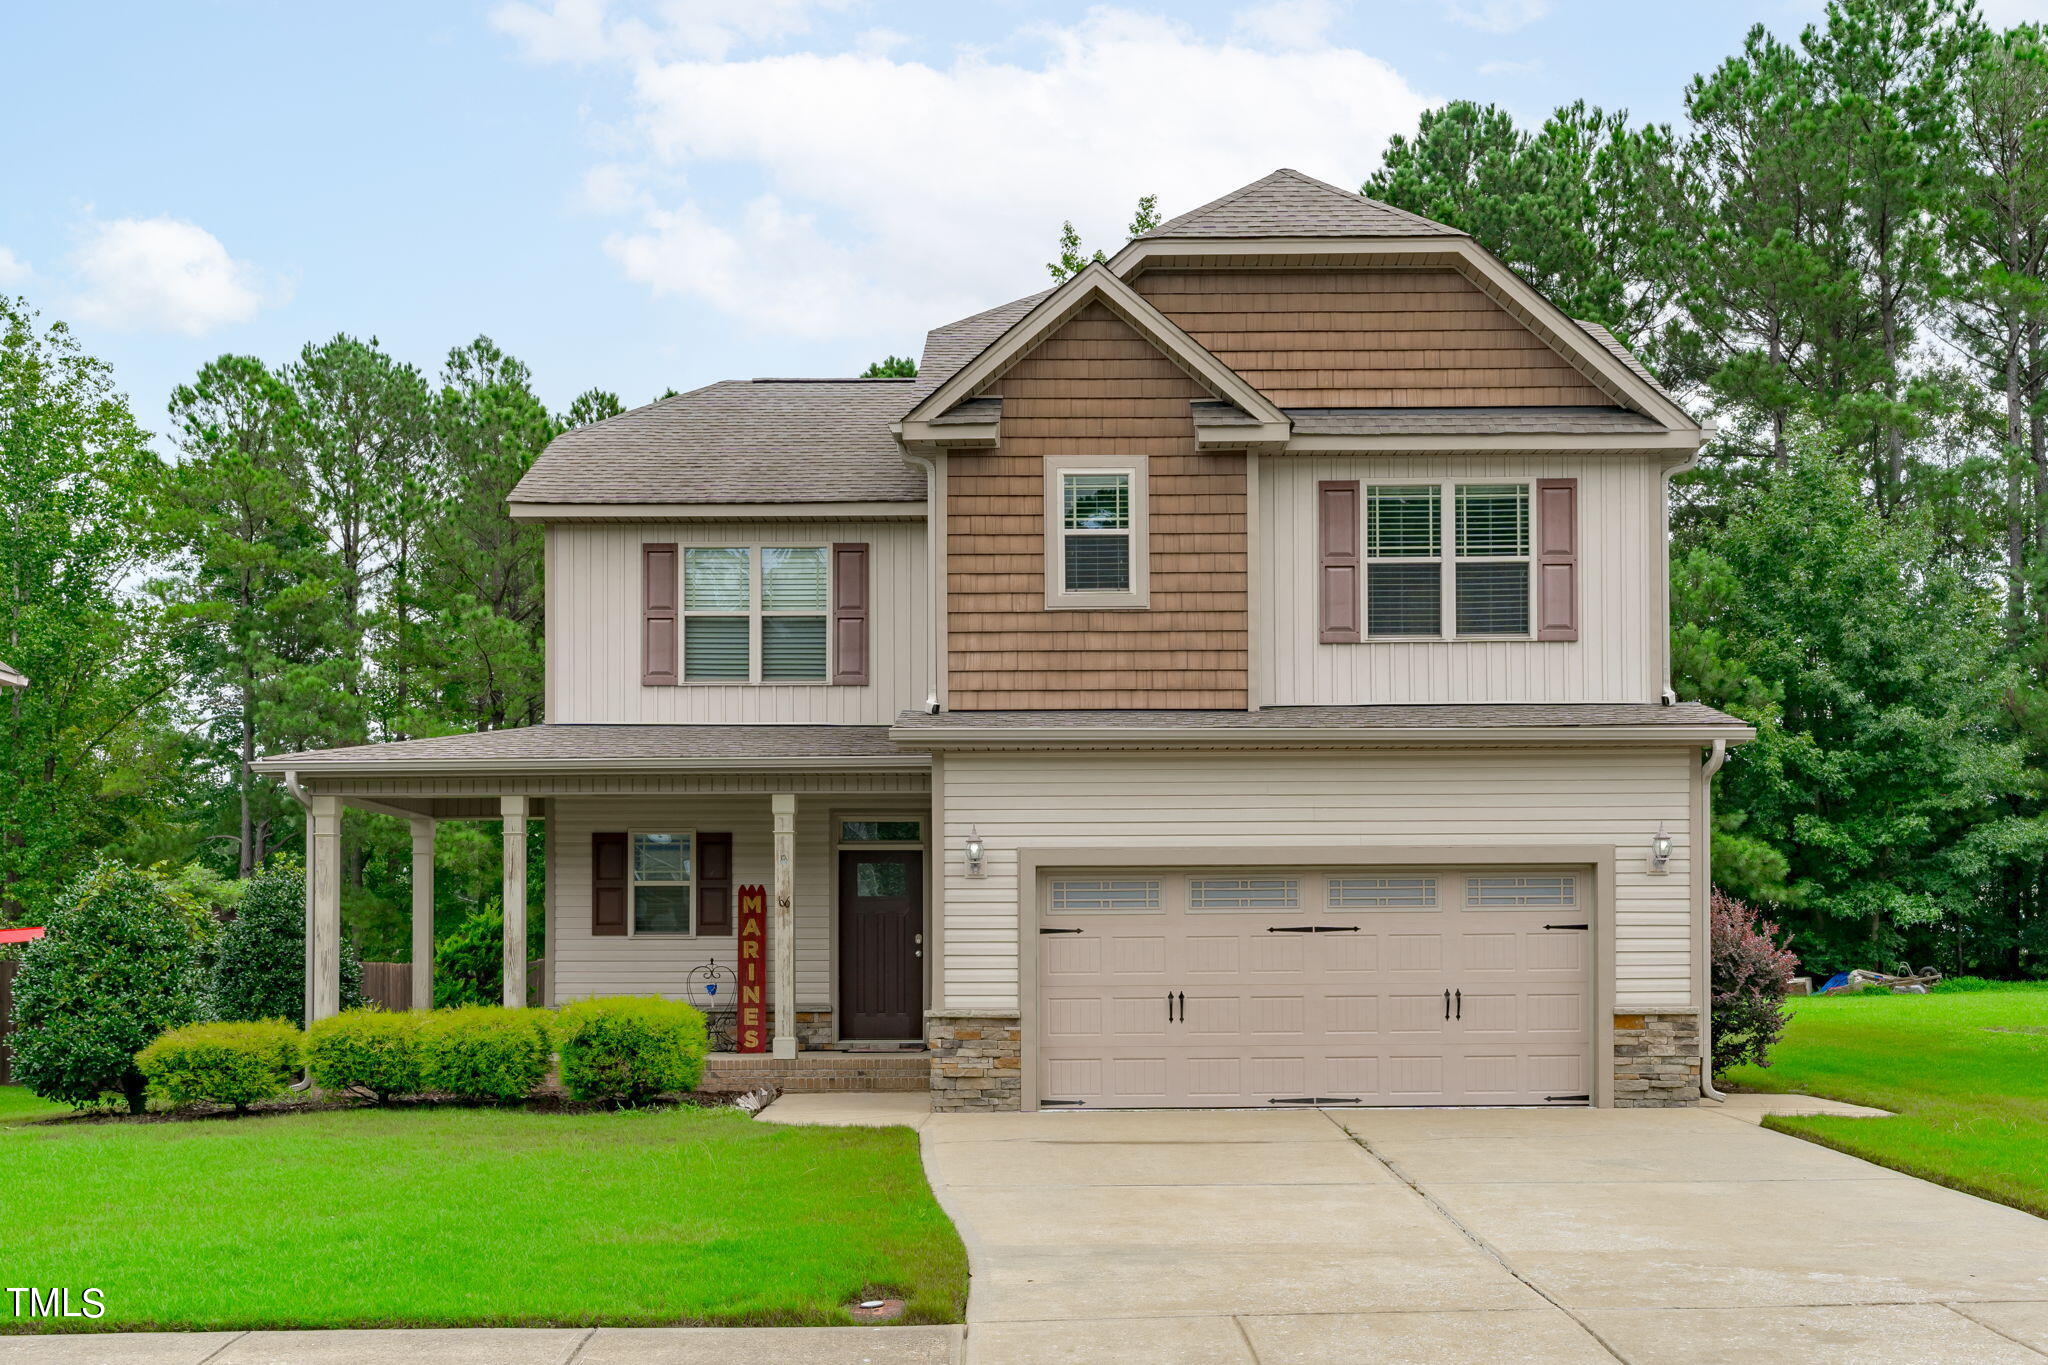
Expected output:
(1074, 258)
(83, 749)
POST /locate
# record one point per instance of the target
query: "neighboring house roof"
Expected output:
(11, 678)
(23, 935)
(1290, 204)
(1325, 724)
(739, 441)
(577, 746)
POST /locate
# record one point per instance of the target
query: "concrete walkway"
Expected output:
(1649, 1236)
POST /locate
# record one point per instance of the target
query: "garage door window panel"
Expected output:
(1240, 894)
(1383, 893)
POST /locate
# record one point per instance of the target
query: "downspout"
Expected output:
(934, 527)
(1703, 970)
(298, 794)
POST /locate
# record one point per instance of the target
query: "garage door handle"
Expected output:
(1461, 1004)
(1447, 1004)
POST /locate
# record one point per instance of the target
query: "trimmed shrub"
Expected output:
(117, 967)
(469, 961)
(235, 1063)
(1752, 975)
(369, 1050)
(487, 1052)
(260, 971)
(627, 1049)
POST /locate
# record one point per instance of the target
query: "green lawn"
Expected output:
(450, 1216)
(1965, 1070)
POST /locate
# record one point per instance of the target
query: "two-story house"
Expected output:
(1237, 676)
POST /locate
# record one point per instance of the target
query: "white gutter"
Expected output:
(1703, 971)
(1098, 736)
(457, 767)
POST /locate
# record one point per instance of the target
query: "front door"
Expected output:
(881, 944)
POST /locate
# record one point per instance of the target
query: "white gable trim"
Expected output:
(1092, 284)
(1545, 319)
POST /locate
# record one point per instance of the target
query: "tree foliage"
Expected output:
(260, 970)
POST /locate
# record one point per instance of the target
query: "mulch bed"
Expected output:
(546, 1102)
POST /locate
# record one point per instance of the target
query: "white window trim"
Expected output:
(753, 615)
(1446, 559)
(1139, 596)
(633, 886)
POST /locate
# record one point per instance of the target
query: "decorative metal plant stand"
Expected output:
(712, 988)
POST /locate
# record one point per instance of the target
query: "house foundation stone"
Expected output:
(1656, 1059)
(977, 1060)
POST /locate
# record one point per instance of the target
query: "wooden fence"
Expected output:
(388, 985)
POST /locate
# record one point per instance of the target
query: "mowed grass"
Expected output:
(1965, 1070)
(447, 1216)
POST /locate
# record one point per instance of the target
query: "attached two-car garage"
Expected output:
(1277, 986)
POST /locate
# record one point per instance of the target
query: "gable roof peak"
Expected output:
(1287, 203)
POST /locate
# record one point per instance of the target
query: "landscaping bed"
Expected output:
(1964, 1068)
(418, 1215)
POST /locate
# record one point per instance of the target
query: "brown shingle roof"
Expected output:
(555, 745)
(1622, 353)
(1290, 204)
(948, 348)
(759, 440)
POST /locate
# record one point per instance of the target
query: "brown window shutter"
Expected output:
(608, 885)
(849, 615)
(714, 884)
(659, 584)
(1557, 559)
(1337, 541)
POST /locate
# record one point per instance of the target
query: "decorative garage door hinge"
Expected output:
(1043, 930)
(1311, 928)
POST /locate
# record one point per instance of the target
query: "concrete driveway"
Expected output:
(1468, 1236)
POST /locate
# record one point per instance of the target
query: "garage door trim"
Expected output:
(1600, 857)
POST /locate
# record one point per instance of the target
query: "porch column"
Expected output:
(423, 828)
(514, 808)
(323, 910)
(782, 925)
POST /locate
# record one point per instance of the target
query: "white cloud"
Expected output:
(1288, 23)
(881, 196)
(1509, 68)
(596, 30)
(14, 271)
(164, 275)
(1497, 16)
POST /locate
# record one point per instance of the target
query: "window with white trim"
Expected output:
(1412, 568)
(1095, 528)
(755, 613)
(663, 883)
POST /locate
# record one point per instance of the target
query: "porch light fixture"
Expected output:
(1660, 850)
(974, 854)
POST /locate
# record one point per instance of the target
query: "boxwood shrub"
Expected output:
(487, 1052)
(627, 1049)
(374, 1050)
(234, 1063)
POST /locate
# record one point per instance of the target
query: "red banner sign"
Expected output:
(752, 1033)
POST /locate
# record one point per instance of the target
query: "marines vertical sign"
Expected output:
(752, 1032)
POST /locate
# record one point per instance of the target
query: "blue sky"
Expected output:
(646, 195)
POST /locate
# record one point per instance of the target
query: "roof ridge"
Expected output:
(1358, 196)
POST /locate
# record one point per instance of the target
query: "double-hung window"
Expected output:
(1095, 534)
(755, 613)
(664, 883)
(1433, 545)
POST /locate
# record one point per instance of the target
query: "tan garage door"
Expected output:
(1394, 987)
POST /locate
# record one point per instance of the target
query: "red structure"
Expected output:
(751, 1035)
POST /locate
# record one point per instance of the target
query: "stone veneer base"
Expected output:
(977, 1060)
(1656, 1059)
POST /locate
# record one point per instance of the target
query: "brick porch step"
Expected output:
(813, 1072)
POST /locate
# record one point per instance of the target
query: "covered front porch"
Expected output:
(648, 834)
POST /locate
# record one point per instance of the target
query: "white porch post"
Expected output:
(782, 925)
(514, 808)
(323, 887)
(423, 828)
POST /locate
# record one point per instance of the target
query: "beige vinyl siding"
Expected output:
(1618, 657)
(659, 965)
(1295, 799)
(593, 629)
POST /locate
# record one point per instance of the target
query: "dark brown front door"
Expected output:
(881, 933)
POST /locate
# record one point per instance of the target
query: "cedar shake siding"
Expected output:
(1375, 338)
(1096, 387)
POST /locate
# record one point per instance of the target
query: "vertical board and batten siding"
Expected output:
(595, 615)
(1291, 799)
(1095, 387)
(1619, 655)
(587, 965)
(1371, 338)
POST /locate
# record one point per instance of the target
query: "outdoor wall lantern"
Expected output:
(975, 850)
(1660, 850)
